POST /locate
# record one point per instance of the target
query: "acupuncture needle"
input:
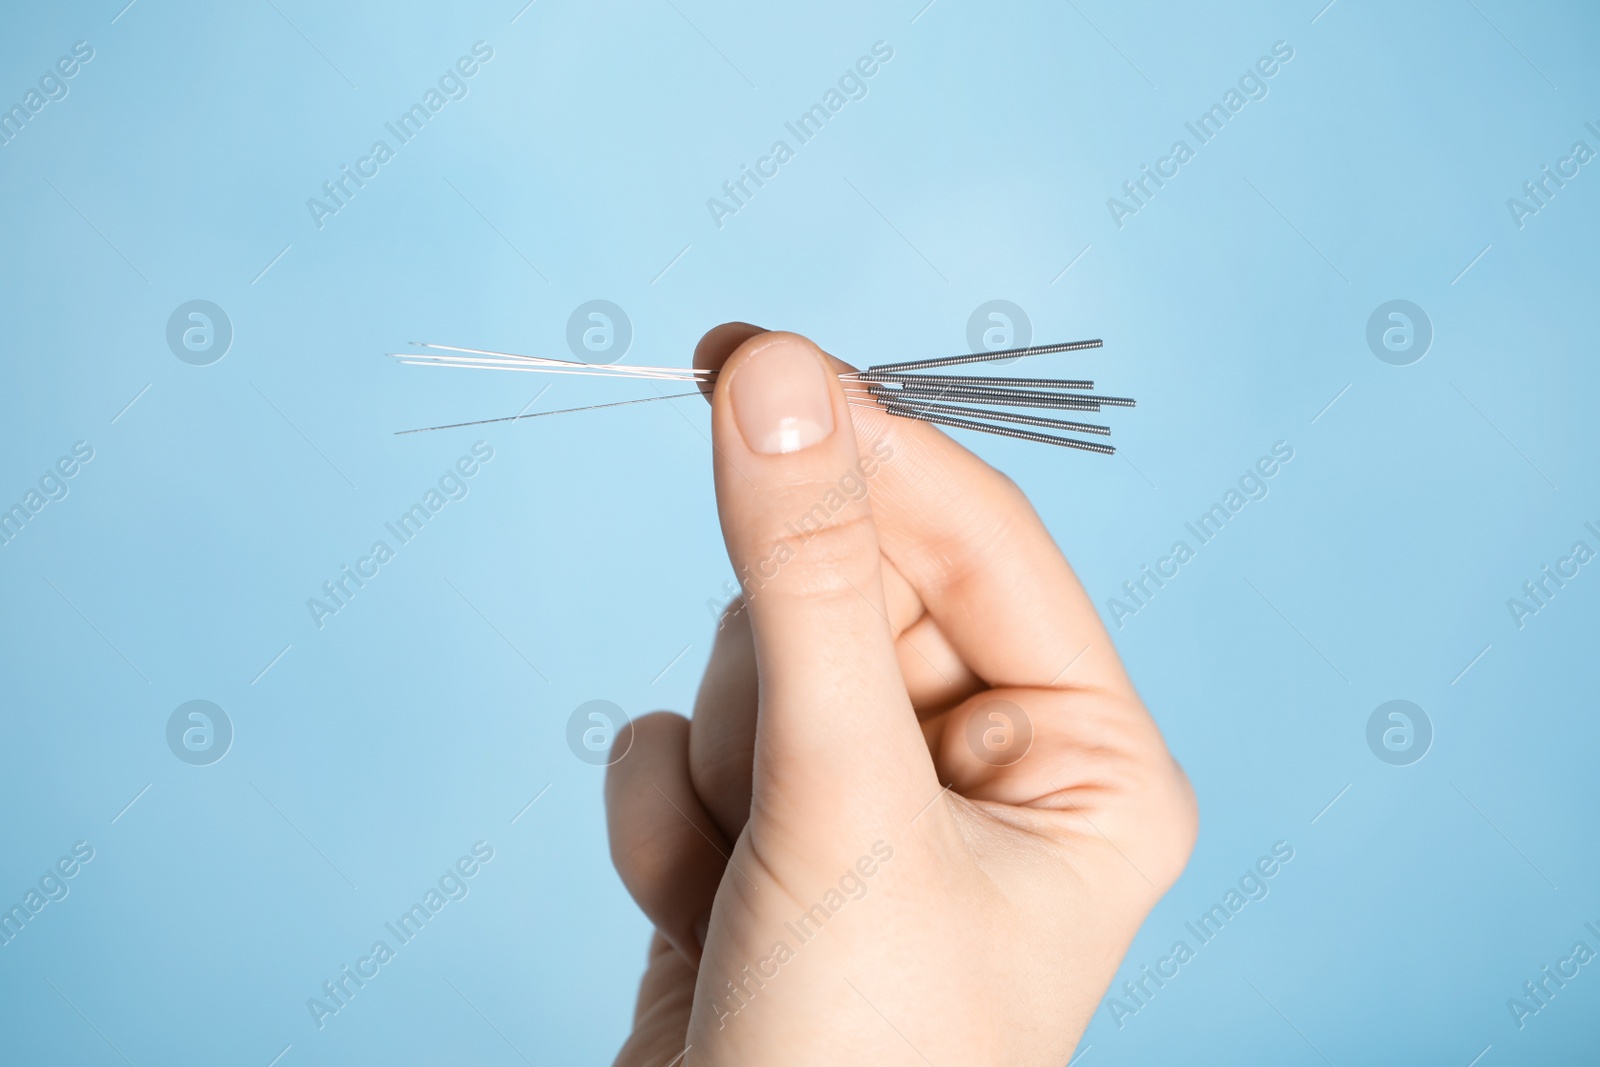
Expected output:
(507, 358)
(1006, 431)
(922, 385)
(483, 358)
(558, 367)
(546, 370)
(970, 379)
(978, 397)
(541, 414)
(1004, 416)
(887, 370)
(487, 352)
(986, 357)
(909, 407)
(1021, 397)
(921, 414)
(885, 387)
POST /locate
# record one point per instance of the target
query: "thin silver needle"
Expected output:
(462, 363)
(561, 362)
(504, 355)
(541, 414)
(894, 407)
(1019, 396)
(971, 379)
(1005, 431)
(1012, 397)
(931, 398)
(985, 357)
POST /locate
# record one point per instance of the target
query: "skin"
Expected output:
(834, 716)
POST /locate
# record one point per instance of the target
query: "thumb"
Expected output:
(836, 733)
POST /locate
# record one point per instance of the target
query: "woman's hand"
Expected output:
(920, 811)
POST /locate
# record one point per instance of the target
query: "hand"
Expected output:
(920, 811)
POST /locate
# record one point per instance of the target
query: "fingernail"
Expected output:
(780, 398)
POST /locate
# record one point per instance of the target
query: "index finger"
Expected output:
(978, 555)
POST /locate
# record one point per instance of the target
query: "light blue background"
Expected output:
(424, 717)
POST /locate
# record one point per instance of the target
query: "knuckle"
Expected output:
(1172, 817)
(657, 729)
(829, 558)
(961, 548)
(1183, 815)
(1132, 762)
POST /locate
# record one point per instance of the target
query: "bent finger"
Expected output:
(666, 847)
(661, 1016)
(981, 560)
(722, 735)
